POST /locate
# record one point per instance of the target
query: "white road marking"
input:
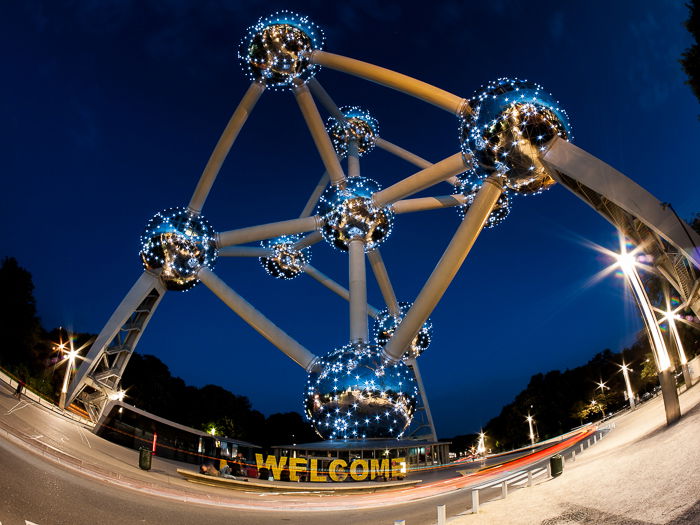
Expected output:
(83, 436)
(15, 408)
(27, 522)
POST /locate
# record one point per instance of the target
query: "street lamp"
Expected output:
(532, 434)
(627, 262)
(480, 446)
(625, 372)
(596, 404)
(602, 386)
(70, 354)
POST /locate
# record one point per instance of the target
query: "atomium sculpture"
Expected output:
(285, 261)
(512, 136)
(387, 321)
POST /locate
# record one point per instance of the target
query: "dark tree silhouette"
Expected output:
(691, 56)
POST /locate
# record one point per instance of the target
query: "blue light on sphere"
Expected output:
(511, 123)
(359, 126)
(386, 324)
(179, 243)
(354, 394)
(349, 213)
(277, 49)
(469, 189)
(286, 261)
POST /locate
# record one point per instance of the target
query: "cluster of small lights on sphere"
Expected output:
(354, 393)
(469, 189)
(510, 125)
(359, 126)
(286, 261)
(178, 243)
(277, 49)
(349, 213)
(386, 324)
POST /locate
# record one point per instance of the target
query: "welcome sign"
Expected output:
(338, 470)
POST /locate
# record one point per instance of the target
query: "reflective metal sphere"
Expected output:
(469, 189)
(355, 395)
(286, 262)
(360, 126)
(349, 213)
(511, 123)
(386, 324)
(277, 50)
(179, 243)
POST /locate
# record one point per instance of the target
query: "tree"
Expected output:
(691, 56)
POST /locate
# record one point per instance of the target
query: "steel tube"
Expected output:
(419, 181)
(428, 203)
(318, 133)
(223, 146)
(408, 156)
(325, 99)
(309, 240)
(382, 277)
(424, 397)
(446, 268)
(353, 160)
(358, 291)
(391, 79)
(244, 251)
(316, 195)
(335, 287)
(268, 231)
(261, 324)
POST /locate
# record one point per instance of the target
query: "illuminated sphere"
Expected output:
(511, 123)
(386, 324)
(277, 50)
(359, 126)
(286, 261)
(354, 394)
(469, 189)
(349, 213)
(179, 243)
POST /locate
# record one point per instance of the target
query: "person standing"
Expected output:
(18, 390)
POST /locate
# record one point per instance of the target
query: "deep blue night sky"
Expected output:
(110, 110)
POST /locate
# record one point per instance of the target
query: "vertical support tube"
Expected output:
(211, 170)
(424, 397)
(353, 159)
(358, 291)
(319, 134)
(446, 268)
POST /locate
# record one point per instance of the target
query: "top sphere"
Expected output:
(277, 50)
(511, 123)
(179, 243)
(359, 126)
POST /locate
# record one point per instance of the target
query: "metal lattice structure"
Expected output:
(513, 139)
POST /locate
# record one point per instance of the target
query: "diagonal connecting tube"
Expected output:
(268, 231)
(446, 268)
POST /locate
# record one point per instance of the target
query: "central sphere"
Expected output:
(277, 50)
(348, 213)
(179, 243)
(354, 394)
(386, 324)
(359, 126)
(286, 261)
(510, 125)
(469, 189)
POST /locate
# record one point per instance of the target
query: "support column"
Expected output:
(353, 159)
(382, 277)
(421, 389)
(268, 231)
(358, 291)
(446, 268)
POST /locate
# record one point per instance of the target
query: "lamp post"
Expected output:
(480, 446)
(627, 262)
(625, 373)
(69, 357)
(532, 434)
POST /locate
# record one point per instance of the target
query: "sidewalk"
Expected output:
(642, 473)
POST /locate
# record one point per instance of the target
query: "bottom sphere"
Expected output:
(354, 394)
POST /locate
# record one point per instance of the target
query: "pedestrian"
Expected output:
(18, 390)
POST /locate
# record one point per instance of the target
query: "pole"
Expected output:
(358, 291)
(446, 268)
(628, 385)
(268, 231)
(223, 146)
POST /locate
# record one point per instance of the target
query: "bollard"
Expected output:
(529, 478)
(573, 455)
(581, 448)
(549, 470)
(475, 501)
(504, 489)
(442, 515)
(595, 438)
